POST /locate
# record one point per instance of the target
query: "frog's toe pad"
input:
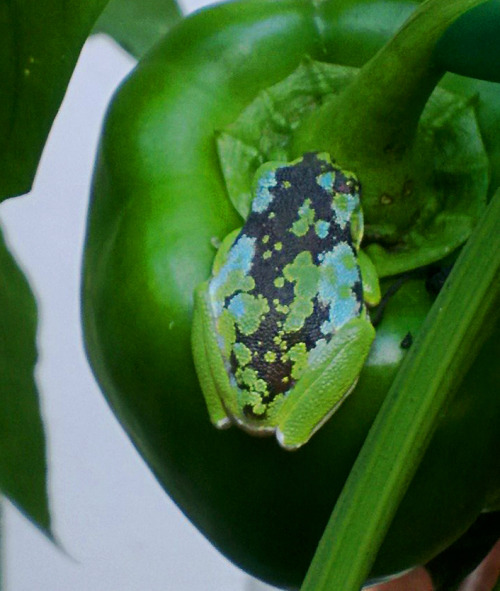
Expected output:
(286, 446)
(223, 423)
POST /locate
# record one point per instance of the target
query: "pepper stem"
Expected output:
(371, 126)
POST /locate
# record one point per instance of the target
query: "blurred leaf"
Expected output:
(23, 470)
(40, 42)
(138, 24)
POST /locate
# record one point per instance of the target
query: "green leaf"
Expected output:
(23, 471)
(467, 306)
(487, 97)
(40, 42)
(454, 197)
(138, 24)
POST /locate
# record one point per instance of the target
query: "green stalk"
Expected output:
(371, 127)
(424, 386)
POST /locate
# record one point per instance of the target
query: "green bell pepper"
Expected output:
(159, 199)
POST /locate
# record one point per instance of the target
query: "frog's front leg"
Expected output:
(225, 401)
(210, 368)
(369, 278)
(325, 384)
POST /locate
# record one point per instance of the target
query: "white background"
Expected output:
(119, 529)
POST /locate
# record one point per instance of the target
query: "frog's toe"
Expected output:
(223, 423)
(285, 442)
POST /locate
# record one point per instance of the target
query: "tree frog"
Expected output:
(281, 330)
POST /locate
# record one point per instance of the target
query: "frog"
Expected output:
(281, 329)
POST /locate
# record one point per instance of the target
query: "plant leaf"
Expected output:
(138, 24)
(23, 470)
(39, 45)
(459, 320)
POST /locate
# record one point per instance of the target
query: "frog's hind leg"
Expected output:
(324, 386)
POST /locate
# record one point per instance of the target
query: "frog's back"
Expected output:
(294, 275)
